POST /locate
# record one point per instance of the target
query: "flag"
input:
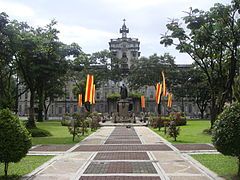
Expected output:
(80, 100)
(89, 89)
(164, 85)
(93, 94)
(169, 104)
(158, 92)
(142, 101)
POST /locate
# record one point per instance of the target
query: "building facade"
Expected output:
(125, 49)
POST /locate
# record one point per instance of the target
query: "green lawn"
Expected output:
(60, 134)
(25, 166)
(190, 133)
(225, 166)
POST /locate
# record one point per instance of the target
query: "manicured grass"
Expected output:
(225, 166)
(25, 166)
(60, 134)
(190, 133)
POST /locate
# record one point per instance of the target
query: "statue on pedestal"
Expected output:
(123, 92)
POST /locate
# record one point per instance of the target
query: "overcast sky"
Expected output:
(92, 23)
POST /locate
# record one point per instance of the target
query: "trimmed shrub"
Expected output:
(94, 120)
(173, 130)
(65, 122)
(78, 125)
(226, 132)
(179, 119)
(15, 140)
(36, 132)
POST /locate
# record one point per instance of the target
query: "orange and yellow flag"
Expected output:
(89, 89)
(93, 94)
(169, 104)
(142, 101)
(80, 100)
(158, 92)
(164, 85)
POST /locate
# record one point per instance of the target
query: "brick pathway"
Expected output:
(120, 153)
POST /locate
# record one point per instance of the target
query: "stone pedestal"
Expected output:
(123, 106)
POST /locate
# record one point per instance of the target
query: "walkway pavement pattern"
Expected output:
(120, 153)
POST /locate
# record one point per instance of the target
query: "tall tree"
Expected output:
(147, 71)
(211, 38)
(7, 66)
(52, 63)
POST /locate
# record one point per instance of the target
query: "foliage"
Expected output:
(8, 89)
(78, 126)
(178, 118)
(98, 64)
(224, 166)
(236, 88)
(143, 71)
(191, 133)
(36, 132)
(94, 120)
(157, 121)
(135, 95)
(34, 57)
(226, 132)
(25, 166)
(191, 83)
(211, 39)
(15, 140)
(65, 122)
(113, 97)
(173, 130)
(60, 134)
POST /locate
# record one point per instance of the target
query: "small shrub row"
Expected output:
(81, 122)
(156, 121)
(36, 132)
(65, 122)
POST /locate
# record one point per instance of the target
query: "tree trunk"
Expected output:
(31, 119)
(6, 168)
(202, 113)
(40, 105)
(16, 99)
(45, 113)
(213, 111)
(239, 166)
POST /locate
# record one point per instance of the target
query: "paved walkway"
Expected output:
(120, 153)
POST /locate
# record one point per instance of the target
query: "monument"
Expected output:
(123, 105)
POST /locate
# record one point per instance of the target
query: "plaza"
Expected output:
(119, 90)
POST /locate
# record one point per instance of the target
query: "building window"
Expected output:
(60, 110)
(26, 95)
(20, 110)
(25, 109)
(190, 108)
(124, 55)
(114, 54)
(98, 95)
(134, 54)
(68, 109)
(75, 108)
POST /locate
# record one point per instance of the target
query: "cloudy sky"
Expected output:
(92, 23)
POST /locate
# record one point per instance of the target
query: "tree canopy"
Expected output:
(211, 39)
